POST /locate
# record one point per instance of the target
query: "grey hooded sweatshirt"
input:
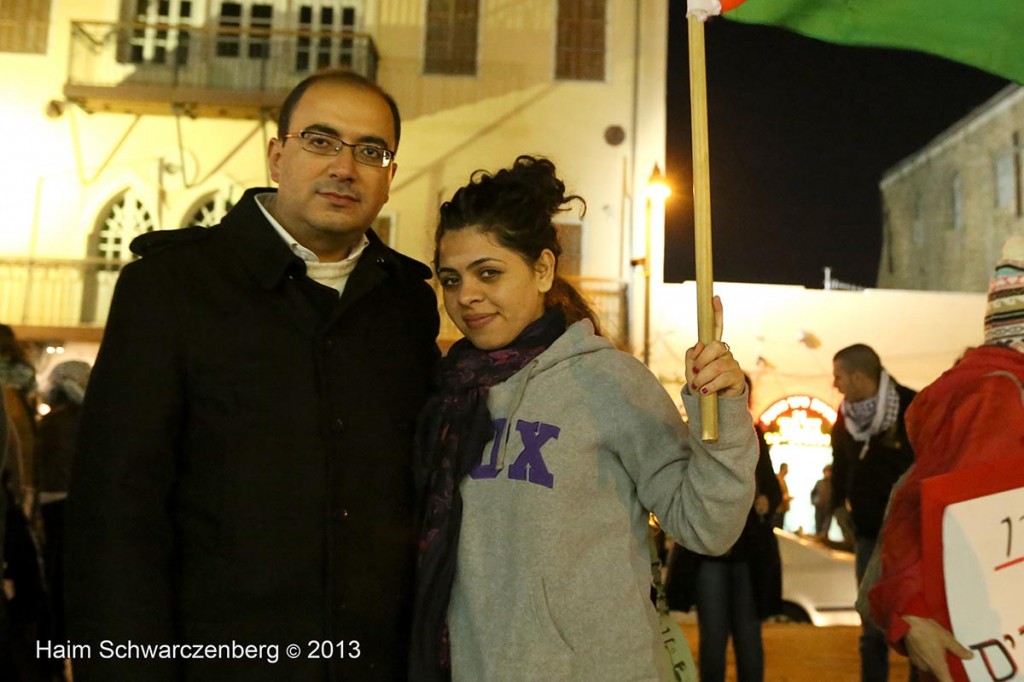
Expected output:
(553, 577)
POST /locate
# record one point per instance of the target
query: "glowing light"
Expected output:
(798, 420)
(799, 429)
(657, 186)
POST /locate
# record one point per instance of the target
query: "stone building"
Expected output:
(127, 116)
(948, 208)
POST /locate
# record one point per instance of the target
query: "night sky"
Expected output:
(801, 132)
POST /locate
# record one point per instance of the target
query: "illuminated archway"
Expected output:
(798, 430)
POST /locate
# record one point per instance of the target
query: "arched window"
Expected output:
(124, 218)
(209, 210)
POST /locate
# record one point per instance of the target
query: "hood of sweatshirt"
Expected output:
(578, 340)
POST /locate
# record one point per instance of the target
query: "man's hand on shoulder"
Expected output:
(927, 643)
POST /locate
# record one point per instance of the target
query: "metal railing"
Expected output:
(56, 292)
(109, 54)
(77, 292)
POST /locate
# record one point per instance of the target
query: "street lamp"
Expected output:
(657, 190)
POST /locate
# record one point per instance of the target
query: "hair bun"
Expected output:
(516, 206)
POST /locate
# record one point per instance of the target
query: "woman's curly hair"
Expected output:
(516, 206)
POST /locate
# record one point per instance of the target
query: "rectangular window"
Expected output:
(24, 26)
(1004, 181)
(323, 50)
(230, 18)
(958, 203)
(1018, 174)
(334, 46)
(451, 43)
(919, 232)
(259, 42)
(157, 34)
(570, 237)
(244, 30)
(579, 53)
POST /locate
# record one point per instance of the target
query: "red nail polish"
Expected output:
(694, 385)
(704, 390)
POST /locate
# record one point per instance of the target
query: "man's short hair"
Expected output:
(335, 75)
(860, 358)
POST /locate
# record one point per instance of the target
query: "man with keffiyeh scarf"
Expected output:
(870, 451)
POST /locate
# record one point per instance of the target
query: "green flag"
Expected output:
(987, 34)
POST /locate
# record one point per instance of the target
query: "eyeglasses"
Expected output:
(329, 145)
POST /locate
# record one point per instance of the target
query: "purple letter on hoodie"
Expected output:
(490, 469)
(530, 464)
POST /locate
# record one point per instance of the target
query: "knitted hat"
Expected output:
(1004, 318)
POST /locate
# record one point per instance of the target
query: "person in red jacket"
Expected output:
(972, 414)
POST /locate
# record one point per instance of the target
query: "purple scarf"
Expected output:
(454, 427)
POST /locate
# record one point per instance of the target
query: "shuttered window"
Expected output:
(579, 53)
(24, 25)
(451, 42)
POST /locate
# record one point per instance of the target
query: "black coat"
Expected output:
(56, 436)
(867, 482)
(243, 472)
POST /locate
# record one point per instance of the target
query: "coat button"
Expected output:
(338, 425)
(380, 261)
(339, 515)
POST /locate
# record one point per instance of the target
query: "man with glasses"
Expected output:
(243, 477)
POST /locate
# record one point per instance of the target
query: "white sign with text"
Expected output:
(983, 567)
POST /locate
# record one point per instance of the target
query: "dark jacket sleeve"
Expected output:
(121, 542)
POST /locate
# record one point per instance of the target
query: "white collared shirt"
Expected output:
(334, 274)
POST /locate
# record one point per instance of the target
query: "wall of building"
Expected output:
(64, 169)
(785, 336)
(925, 245)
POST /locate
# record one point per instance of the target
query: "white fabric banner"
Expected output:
(702, 9)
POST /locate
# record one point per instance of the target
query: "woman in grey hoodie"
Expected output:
(541, 454)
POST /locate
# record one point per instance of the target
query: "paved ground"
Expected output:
(804, 653)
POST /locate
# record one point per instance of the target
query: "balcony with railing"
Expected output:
(70, 298)
(236, 72)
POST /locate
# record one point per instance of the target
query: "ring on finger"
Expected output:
(727, 349)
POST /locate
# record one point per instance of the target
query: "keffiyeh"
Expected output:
(872, 416)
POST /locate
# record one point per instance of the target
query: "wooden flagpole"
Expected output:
(702, 212)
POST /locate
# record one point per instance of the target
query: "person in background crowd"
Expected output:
(780, 510)
(55, 446)
(736, 591)
(25, 612)
(970, 416)
(821, 498)
(7, 667)
(870, 451)
(542, 452)
(18, 383)
(16, 369)
(243, 471)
